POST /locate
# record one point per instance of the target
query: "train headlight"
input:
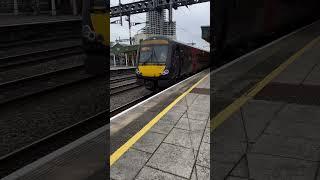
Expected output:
(165, 72)
(88, 33)
(137, 71)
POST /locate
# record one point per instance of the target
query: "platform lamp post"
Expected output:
(53, 8)
(129, 20)
(133, 24)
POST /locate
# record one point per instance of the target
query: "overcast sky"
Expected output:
(189, 21)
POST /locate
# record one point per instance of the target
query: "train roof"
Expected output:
(166, 38)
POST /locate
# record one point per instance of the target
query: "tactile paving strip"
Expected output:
(290, 93)
(204, 91)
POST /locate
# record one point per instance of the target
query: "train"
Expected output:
(163, 61)
(96, 36)
(240, 26)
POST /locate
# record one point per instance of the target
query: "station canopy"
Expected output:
(123, 48)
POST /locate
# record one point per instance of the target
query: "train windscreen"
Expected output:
(153, 54)
(100, 3)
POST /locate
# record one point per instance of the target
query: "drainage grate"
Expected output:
(299, 94)
(203, 91)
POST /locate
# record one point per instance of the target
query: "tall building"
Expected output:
(155, 21)
(169, 29)
(157, 25)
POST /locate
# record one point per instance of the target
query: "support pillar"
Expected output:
(126, 59)
(132, 60)
(15, 7)
(53, 8)
(114, 60)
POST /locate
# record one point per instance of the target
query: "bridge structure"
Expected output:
(149, 5)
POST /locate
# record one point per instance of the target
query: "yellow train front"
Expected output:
(162, 62)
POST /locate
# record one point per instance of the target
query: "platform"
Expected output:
(163, 138)
(83, 159)
(267, 111)
(12, 20)
(116, 68)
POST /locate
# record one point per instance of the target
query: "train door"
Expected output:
(176, 62)
(194, 60)
(184, 60)
(95, 35)
(188, 61)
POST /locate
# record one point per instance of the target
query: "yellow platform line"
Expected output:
(236, 105)
(125, 147)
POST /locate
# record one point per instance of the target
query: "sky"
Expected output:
(189, 21)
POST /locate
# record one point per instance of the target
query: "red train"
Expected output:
(161, 61)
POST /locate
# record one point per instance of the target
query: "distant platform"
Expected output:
(12, 20)
(121, 68)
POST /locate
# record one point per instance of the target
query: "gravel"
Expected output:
(52, 65)
(30, 119)
(123, 83)
(39, 47)
(128, 96)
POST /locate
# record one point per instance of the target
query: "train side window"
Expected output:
(177, 55)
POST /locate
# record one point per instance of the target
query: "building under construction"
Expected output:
(157, 25)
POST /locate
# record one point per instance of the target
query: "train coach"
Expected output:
(162, 62)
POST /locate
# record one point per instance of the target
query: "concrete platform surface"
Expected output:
(273, 130)
(83, 159)
(176, 147)
(115, 68)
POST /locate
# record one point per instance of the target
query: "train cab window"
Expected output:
(99, 4)
(153, 54)
(145, 53)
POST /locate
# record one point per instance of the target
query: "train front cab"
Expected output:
(155, 66)
(95, 35)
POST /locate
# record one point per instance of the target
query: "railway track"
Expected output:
(130, 104)
(123, 86)
(10, 62)
(24, 87)
(42, 83)
(122, 78)
(31, 152)
(29, 42)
